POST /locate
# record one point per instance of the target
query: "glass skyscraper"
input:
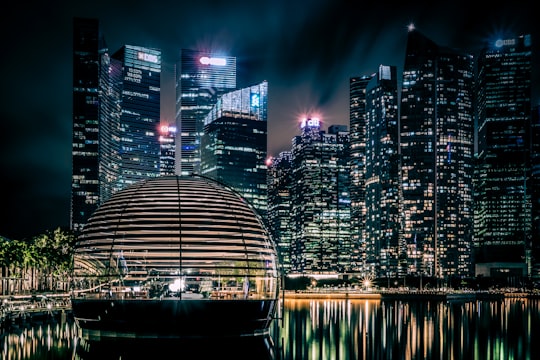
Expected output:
(382, 219)
(138, 130)
(320, 202)
(534, 189)
(116, 115)
(279, 206)
(436, 144)
(110, 111)
(88, 48)
(202, 77)
(234, 143)
(503, 201)
(167, 140)
(357, 167)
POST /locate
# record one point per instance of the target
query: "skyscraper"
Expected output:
(279, 206)
(167, 140)
(88, 48)
(534, 190)
(382, 220)
(320, 202)
(233, 146)
(357, 168)
(116, 113)
(140, 118)
(202, 77)
(503, 202)
(436, 144)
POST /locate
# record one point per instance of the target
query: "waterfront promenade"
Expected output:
(443, 295)
(18, 309)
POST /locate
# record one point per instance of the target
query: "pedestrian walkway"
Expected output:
(17, 309)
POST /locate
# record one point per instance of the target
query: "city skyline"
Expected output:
(313, 79)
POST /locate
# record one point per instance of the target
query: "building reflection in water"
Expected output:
(252, 347)
(374, 329)
(52, 340)
(322, 329)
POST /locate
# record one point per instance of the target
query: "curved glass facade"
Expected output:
(179, 238)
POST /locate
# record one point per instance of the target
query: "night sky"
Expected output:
(306, 50)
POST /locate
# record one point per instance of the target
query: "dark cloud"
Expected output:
(306, 50)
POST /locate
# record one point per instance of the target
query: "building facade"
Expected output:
(503, 201)
(234, 143)
(320, 201)
(535, 194)
(384, 252)
(202, 77)
(357, 168)
(167, 141)
(88, 48)
(138, 132)
(116, 116)
(279, 206)
(110, 113)
(436, 145)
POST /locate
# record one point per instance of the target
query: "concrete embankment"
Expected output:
(408, 295)
(16, 311)
(331, 295)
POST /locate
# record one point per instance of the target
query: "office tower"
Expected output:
(116, 112)
(436, 144)
(202, 77)
(279, 206)
(357, 163)
(535, 194)
(503, 202)
(137, 134)
(382, 220)
(110, 112)
(234, 143)
(320, 200)
(167, 141)
(88, 48)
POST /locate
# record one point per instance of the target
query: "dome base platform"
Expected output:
(170, 318)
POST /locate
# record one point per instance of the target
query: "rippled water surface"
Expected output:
(322, 329)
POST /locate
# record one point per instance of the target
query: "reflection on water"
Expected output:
(259, 347)
(52, 340)
(373, 329)
(323, 329)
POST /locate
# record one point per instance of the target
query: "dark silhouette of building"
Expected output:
(88, 48)
(116, 116)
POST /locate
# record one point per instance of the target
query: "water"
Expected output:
(323, 329)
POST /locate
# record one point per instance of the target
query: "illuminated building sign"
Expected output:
(205, 60)
(507, 42)
(166, 129)
(147, 57)
(311, 122)
(255, 100)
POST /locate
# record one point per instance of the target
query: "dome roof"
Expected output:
(189, 233)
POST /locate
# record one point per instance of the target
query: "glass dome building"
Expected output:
(174, 256)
